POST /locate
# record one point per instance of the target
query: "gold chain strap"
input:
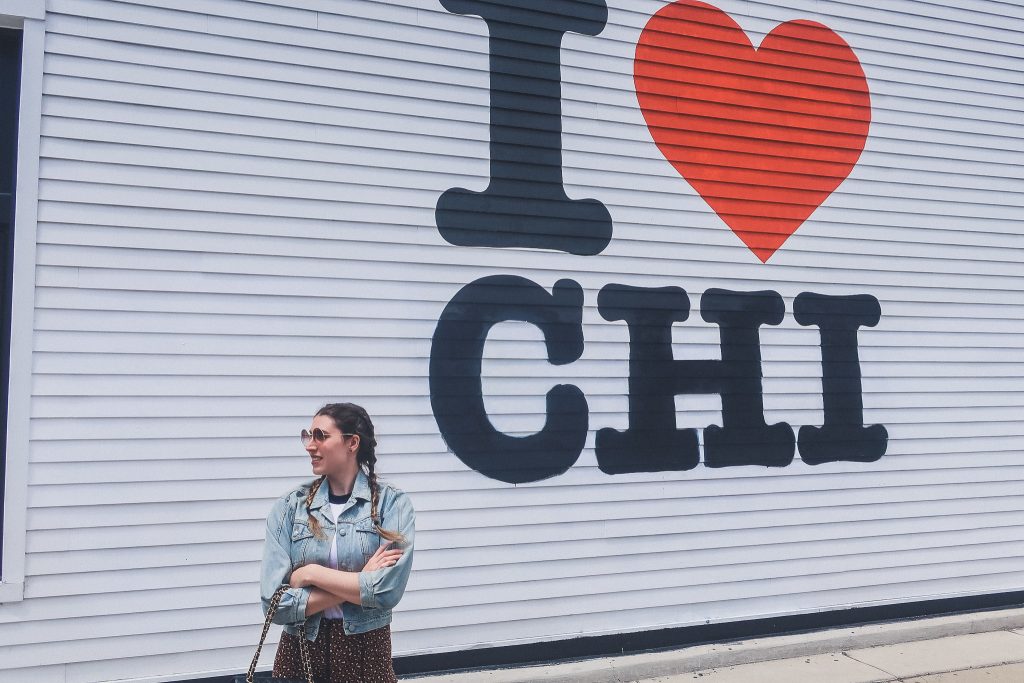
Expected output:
(307, 665)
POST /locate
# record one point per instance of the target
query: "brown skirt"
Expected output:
(337, 657)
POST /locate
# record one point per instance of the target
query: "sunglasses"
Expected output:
(318, 435)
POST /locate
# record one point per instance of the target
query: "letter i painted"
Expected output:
(843, 436)
(525, 204)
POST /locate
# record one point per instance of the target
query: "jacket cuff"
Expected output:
(293, 610)
(367, 591)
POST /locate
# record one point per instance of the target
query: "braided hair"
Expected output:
(353, 419)
(314, 523)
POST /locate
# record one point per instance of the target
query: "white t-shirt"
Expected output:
(336, 508)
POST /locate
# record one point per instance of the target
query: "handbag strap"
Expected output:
(307, 666)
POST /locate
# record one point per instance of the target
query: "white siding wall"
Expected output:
(236, 224)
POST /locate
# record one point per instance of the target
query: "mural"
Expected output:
(763, 135)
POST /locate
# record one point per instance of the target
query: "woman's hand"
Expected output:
(304, 576)
(382, 558)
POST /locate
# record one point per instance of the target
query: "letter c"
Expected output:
(456, 390)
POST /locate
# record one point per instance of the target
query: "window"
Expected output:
(10, 87)
(22, 34)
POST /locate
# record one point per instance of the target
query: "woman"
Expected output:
(344, 546)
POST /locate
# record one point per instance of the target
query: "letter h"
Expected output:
(652, 442)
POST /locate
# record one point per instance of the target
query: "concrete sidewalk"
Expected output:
(957, 659)
(963, 648)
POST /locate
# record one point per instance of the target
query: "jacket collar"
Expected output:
(360, 490)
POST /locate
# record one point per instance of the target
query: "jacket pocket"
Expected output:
(302, 546)
(368, 538)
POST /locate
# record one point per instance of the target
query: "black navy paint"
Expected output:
(843, 436)
(525, 204)
(456, 392)
(744, 438)
(652, 441)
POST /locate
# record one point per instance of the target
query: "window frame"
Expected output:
(28, 16)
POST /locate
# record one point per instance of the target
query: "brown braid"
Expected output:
(314, 523)
(393, 536)
(353, 419)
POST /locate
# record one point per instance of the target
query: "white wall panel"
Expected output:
(236, 224)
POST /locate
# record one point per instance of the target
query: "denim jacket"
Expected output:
(291, 544)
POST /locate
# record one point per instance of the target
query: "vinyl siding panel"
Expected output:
(236, 223)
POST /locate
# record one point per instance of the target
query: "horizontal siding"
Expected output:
(236, 224)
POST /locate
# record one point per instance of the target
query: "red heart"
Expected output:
(763, 135)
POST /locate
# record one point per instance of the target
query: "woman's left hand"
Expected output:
(304, 576)
(385, 556)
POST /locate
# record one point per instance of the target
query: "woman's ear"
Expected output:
(355, 438)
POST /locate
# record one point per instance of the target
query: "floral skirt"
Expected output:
(338, 657)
